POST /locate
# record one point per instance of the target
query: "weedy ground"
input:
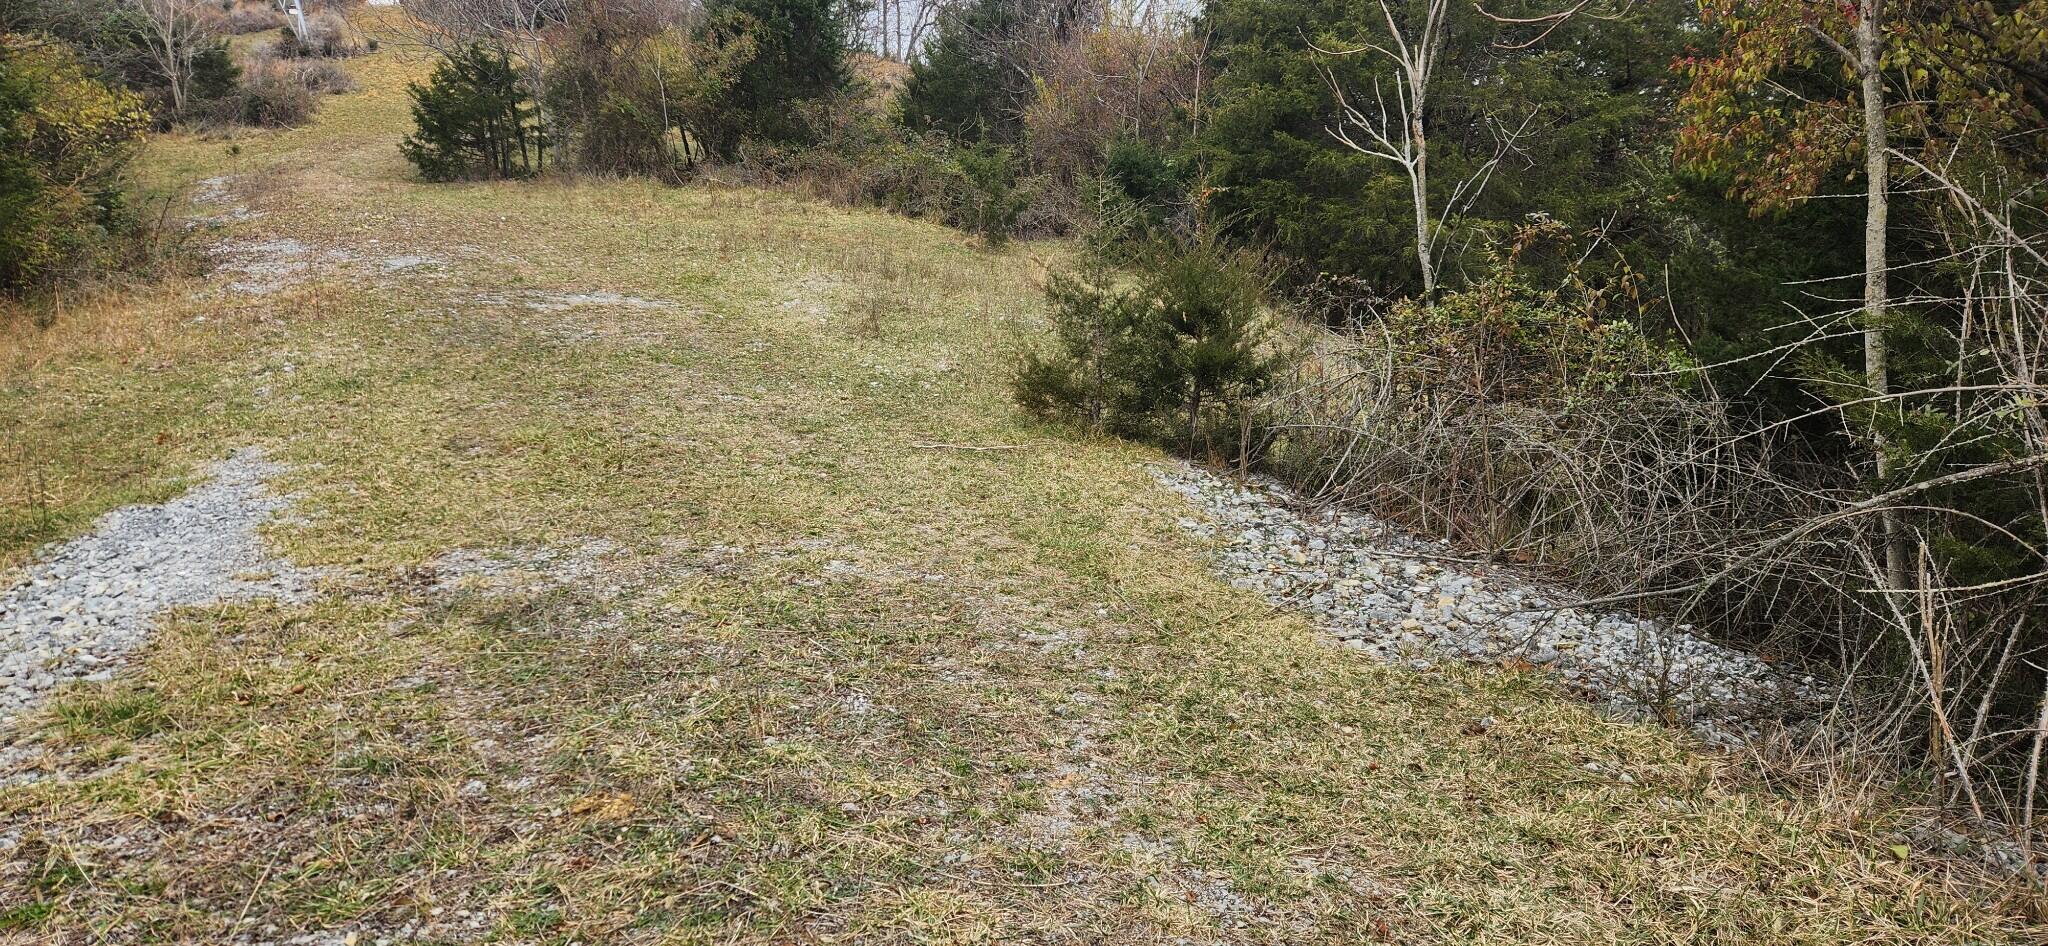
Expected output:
(763, 662)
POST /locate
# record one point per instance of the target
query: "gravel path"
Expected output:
(1396, 597)
(84, 604)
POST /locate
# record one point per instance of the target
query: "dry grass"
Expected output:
(816, 684)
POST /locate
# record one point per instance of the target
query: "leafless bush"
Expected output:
(325, 78)
(519, 27)
(1499, 418)
(277, 92)
(254, 18)
(274, 94)
(328, 35)
(1112, 82)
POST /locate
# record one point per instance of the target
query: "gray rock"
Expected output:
(83, 605)
(1397, 597)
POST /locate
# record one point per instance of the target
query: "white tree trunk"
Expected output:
(1401, 138)
(1418, 182)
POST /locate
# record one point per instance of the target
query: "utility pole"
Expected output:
(295, 13)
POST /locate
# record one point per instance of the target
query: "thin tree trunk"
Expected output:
(1418, 181)
(174, 73)
(1402, 139)
(1877, 207)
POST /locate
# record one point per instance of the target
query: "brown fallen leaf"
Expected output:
(604, 807)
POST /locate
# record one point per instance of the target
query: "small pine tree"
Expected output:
(1209, 333)
(1190, 342)
(988, 200)
(215, 76)
(474, 119)
(1086, 376)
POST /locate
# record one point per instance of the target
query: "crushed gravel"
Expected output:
(1398, 598)
(525, 569)
(83, 605)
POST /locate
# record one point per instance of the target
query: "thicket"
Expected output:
(176, 55)
(245, 18)
(327, 35)
(1644, 364)
(65, 142)
(774, 91)
(80, 82)
(658, 88)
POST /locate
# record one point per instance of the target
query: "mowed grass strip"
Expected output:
(811, 678)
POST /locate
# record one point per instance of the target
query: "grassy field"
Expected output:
(795, 671)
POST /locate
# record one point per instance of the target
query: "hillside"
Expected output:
(681, 571)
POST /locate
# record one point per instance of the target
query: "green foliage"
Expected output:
(215, 75)
(973, 187)
(1740, 124)
(988, 200)
(473, 119)
(1089, 372)
(1599, 93)
(26, 916)
(1133, 201)
(1143, 171)
(1278, 177)
(963, 86)
(1980, 64)
(130, 714)
(1970, 113)
(1188, 344)
(1596, 157)
(799, 57)
(1503, 340)
(65, 142)
(914, 176)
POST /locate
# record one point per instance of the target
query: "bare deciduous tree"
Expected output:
(897, 29)
(1116, 81)
(1400, 134)
(1866, 61)
(174, 31)
(519, 27)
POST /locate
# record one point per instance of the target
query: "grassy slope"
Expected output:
(837, 687)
